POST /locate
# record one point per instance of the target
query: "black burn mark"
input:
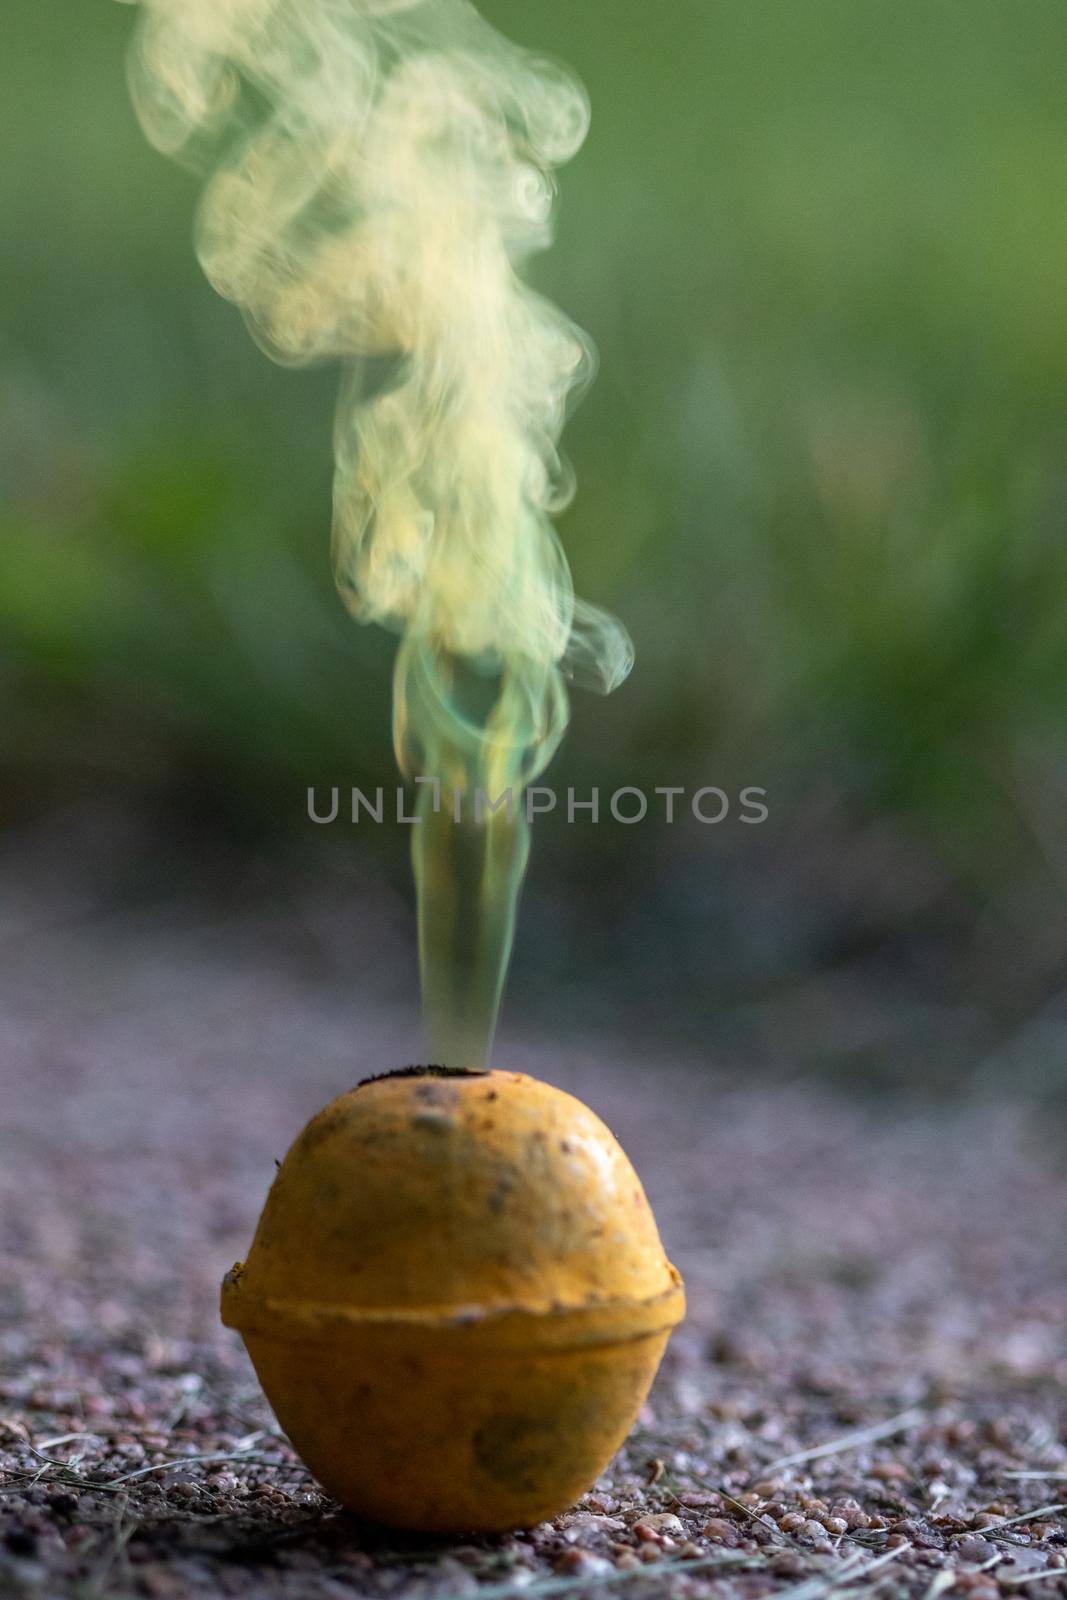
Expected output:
(429, 1071)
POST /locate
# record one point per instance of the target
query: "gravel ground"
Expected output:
(869, 1394)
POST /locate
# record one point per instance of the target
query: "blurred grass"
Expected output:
(822, 250)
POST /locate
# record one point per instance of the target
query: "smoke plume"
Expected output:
(379, 170)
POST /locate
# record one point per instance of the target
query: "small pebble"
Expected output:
(972, 1547)
(662, 1524)
(720, 1531)
(665, 1522)
(583, 1562)
(813, 1505)
(788, 1563)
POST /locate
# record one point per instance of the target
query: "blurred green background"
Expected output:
(822, 247)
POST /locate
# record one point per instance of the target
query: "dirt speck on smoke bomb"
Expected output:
(877, 1337)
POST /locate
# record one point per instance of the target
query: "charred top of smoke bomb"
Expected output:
(428, 1069)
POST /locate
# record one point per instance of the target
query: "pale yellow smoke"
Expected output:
(379, 170)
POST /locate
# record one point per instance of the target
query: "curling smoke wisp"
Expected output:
(379, 169)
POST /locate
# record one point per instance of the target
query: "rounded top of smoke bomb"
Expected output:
(448, 1196)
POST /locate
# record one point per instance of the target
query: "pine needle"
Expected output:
(850, 1441)
(1024, 1516)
